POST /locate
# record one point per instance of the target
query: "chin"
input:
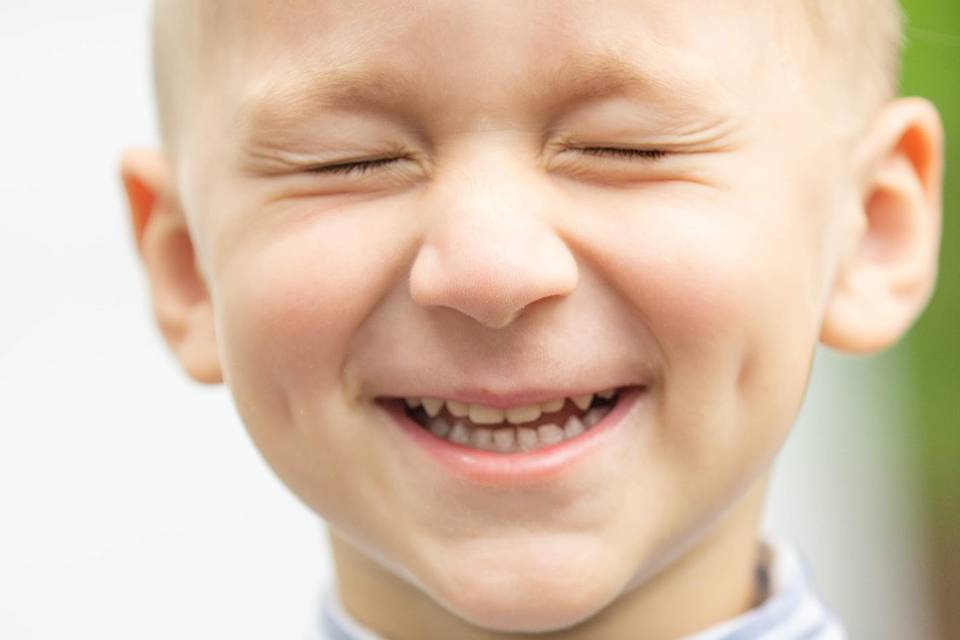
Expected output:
(531, 593)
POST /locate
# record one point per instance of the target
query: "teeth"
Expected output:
(527, 438)
(439, 427)
(460, 434)
(458, 409)
(593, 417)
(573, 428)
(481, 438)
(519, 415)
(552, 405)
(432, 406)
(511, 439)
(503, 439)
(550, 434)
(583, 402)
(480, 414)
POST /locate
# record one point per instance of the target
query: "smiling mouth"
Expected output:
(514, 429)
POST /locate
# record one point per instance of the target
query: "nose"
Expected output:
(490, 249)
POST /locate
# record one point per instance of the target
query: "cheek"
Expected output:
(291, 294)
(288, 301)
(730, 297)
(286, 312)
(705, 280)
(291, 297)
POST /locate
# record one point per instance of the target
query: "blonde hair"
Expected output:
(862, 41)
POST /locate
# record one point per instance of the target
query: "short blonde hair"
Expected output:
(862, 40)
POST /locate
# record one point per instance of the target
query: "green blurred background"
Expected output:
(932, 69)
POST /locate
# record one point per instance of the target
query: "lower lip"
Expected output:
(540, 465)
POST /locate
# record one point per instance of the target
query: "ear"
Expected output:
(181, 302)
(888, 275)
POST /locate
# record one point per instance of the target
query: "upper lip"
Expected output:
(507, 399)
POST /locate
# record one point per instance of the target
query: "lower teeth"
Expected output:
(507, 439)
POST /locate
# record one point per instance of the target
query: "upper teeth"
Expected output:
(482, 414)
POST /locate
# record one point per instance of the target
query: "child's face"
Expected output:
(505, 254)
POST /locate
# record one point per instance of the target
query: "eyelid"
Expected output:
(363, 166)
(623, 152)
(355, 166)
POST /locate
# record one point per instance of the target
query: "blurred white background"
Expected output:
(132, 504)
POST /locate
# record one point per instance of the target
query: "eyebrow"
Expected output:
(601, 74)
(276, 104)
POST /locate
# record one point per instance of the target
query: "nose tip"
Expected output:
(493, 283)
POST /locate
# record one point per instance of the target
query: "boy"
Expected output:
(522, 297)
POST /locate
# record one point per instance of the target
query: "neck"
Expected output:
(711, 581)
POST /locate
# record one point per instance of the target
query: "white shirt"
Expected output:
(791, 610)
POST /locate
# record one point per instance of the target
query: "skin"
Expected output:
(504, 251)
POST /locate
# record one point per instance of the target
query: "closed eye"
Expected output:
(619, 152)
(360, 167)
(357, 167)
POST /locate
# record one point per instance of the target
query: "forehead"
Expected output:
(478, 59)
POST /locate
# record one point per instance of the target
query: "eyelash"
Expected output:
(358, 167)
(617, 152)
(361, 167)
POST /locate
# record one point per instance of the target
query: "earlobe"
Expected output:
(886, 280)
(181, 302)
